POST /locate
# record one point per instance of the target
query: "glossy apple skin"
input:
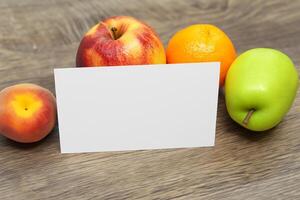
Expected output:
(264, 80)
(27, 112)
(136, 44)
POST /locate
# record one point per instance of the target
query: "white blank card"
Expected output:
(137, 107)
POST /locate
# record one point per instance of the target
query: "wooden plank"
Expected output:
(36, 36)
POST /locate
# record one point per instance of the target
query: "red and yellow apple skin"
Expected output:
(120, 40)
(27, 112)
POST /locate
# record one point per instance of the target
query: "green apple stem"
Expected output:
(248, 116)
(114, 32)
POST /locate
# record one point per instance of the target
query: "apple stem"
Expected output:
(114, 32)
(248, 116)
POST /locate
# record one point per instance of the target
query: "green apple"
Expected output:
(260, 87)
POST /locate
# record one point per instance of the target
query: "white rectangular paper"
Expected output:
(137, 107)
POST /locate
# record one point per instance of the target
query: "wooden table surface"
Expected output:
(36, 36)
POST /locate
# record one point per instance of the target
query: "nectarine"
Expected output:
(27, 112)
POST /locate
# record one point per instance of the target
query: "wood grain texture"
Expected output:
(36, 36)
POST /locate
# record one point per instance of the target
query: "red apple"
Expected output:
(27, 112)
(120, 40)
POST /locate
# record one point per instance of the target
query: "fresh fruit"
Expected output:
(120, 40)
(202, 43)
(27, 112)
(260, 88)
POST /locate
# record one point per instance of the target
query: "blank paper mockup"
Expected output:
(142, 107)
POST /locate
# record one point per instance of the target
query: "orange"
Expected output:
(202, 43)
